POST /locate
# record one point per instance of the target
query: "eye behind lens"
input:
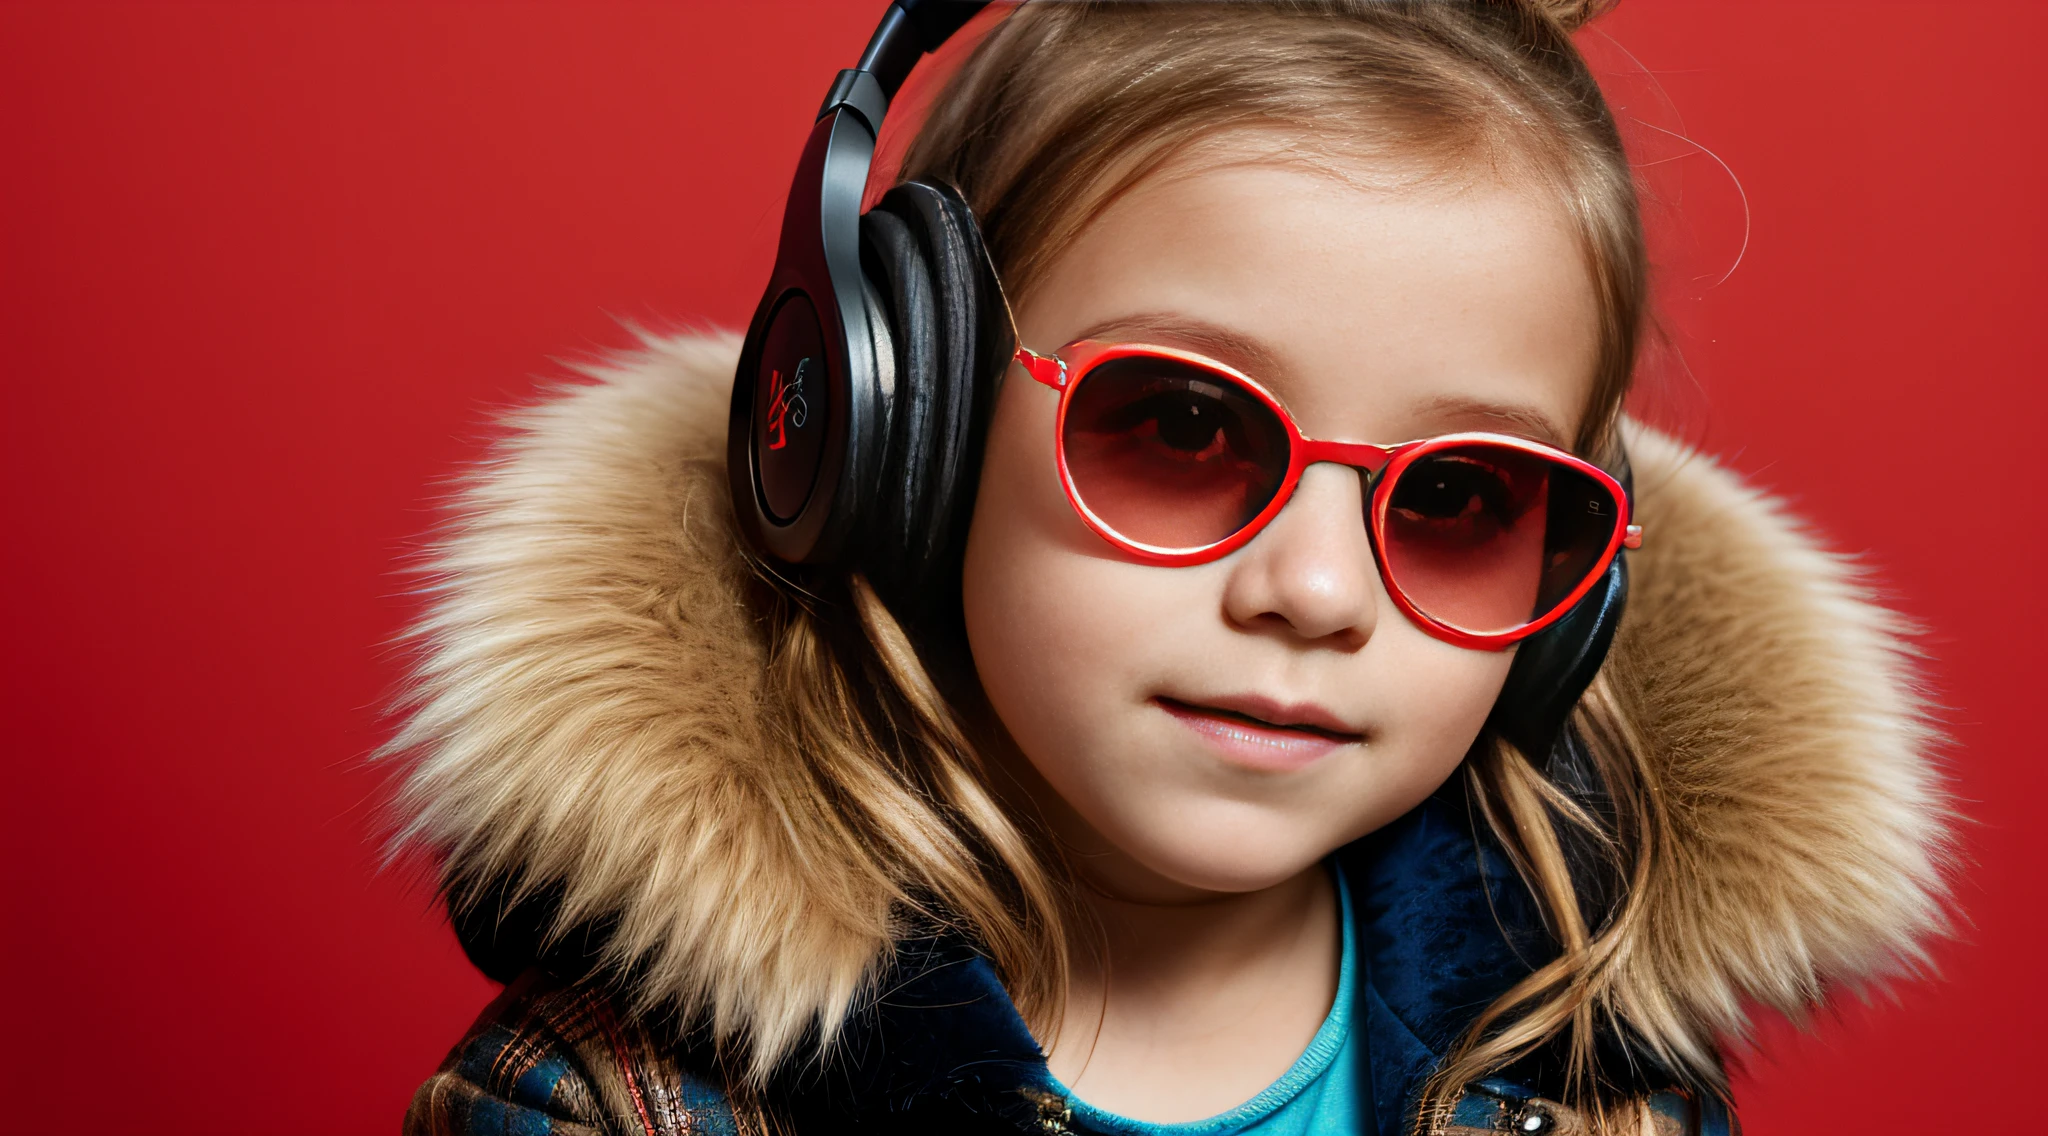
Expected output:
(1189, 421)
(1490, 538)
(1168, 455)
(1459, 488)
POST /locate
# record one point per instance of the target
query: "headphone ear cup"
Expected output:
(963, 386)
(926, 257)
(897, 273)
(1553, 668)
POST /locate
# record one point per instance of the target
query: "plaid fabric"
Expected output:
(547, 1059)
(551, 1060)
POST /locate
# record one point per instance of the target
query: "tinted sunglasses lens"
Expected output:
(1489, 538)
(1169, 454)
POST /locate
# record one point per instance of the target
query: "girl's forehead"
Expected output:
(1448, 302)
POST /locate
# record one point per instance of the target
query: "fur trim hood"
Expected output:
(588, 730)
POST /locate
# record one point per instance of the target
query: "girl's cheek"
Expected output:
(1030, 583)
(1063, 629)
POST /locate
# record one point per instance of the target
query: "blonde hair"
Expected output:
(1060, 108)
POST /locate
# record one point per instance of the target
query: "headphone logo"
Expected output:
(786, 406)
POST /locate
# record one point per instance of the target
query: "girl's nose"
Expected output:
(1311, 571)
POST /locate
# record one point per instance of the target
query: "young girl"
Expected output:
(1118, 683)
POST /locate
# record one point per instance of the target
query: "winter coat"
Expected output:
(590, 741)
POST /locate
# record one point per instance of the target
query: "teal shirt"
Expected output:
(1319, 1096)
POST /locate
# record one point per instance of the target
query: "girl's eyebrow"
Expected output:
(1171, 329)
(1525, 420)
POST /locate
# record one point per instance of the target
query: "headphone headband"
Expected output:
(909, 29)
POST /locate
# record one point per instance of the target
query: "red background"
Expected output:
(267, 270)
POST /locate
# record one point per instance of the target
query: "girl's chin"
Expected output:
(1225, 865)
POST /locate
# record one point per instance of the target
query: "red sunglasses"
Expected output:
(1481, 539)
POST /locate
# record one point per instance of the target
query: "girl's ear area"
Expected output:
(1018, 494)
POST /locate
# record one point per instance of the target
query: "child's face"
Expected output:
(1376, 315)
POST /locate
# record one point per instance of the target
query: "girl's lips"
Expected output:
(1258, 744)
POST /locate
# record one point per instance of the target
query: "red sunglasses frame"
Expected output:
(1383, 465)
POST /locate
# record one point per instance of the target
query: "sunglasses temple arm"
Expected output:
(1048, 369)
(1024, 355)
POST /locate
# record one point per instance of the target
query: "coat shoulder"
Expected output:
(548, 1058)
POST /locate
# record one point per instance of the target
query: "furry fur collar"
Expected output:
(588, 719)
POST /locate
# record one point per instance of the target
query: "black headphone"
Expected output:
(867, 375)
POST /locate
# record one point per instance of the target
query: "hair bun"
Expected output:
(1573, 14)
